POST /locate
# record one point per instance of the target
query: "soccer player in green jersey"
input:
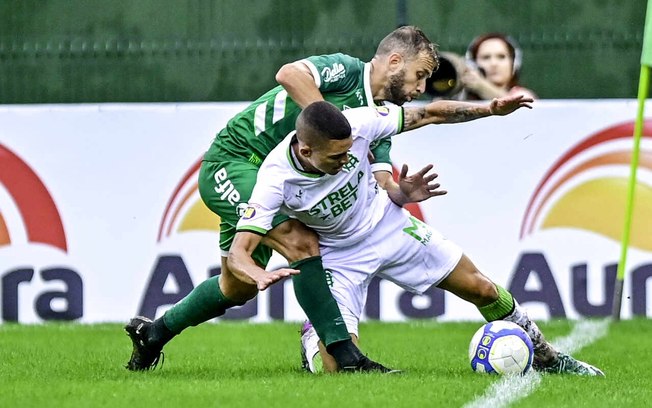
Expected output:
(397, 73)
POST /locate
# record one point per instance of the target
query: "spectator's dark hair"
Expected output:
(409, 41)
(323, 120)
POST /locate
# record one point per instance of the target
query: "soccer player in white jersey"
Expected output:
(321, 176)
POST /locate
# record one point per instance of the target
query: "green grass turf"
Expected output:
(251, 365)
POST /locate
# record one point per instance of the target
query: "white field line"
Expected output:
(510, 389)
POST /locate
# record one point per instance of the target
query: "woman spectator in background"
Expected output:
(493, 65)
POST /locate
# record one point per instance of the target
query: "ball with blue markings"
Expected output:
(501, 347)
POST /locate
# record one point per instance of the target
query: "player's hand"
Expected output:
(267, 279)
(419, 186)
(508, 104)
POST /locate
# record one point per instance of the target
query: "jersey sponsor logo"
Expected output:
(225, 187)
(249, 213)
(382, 110)
(334, 73)
(337, 202)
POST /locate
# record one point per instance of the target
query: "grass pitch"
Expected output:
(251, 365)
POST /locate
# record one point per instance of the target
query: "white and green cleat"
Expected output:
(565, 364)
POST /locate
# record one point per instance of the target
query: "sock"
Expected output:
(316, 300)
(507, 308)
(502, 307)
(544, 353)
(203, 303)
(345, 353)
(159, 334)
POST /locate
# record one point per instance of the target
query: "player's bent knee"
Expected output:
(235, 288)
(487, 291)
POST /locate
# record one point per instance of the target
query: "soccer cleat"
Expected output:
(565, 364)
(366, 365)
(144, 356)
(310, 359)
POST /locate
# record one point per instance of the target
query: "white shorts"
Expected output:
(400, 249)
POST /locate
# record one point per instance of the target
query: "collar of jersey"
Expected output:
(294, 161)
(366, 80)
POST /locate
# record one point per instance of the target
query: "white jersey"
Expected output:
(342, 208)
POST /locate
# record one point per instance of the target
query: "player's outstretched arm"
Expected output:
(243, 266)
(445, 111)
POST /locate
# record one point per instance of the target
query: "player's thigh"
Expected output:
(415, 256)
(225, 187)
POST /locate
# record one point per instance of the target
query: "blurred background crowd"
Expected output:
(74, 51)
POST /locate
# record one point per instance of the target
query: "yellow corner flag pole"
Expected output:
(643, 88)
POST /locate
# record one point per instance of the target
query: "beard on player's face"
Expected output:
(394, 92)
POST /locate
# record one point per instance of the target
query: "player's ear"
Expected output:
(394, 62)
(305, 151)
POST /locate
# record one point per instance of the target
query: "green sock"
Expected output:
(314, 296)
(203, 303)
(502, 307)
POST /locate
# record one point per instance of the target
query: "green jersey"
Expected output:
(250, 135)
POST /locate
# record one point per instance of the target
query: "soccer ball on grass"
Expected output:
(501, 347)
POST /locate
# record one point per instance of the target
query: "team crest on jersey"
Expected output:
(382, 110)
(249, 213)
(352, 163)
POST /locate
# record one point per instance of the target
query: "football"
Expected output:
(501, 347)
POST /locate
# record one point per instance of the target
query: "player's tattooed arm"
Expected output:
(456, 112)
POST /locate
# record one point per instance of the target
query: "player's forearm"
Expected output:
(299, 84)
(384, 179)
(395, 194)
(387, 183)
(242, 265)
(444, 111)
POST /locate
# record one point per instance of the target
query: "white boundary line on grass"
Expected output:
(510, 389)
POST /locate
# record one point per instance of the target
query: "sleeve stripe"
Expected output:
(381, 167)
(252, 229)
(401, 120)
(313, 70)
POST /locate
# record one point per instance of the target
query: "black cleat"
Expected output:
(366, 365)
(144, 356)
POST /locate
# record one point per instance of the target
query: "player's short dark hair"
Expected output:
(410, 41)
(323, 119)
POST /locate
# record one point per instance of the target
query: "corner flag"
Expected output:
(643, 89)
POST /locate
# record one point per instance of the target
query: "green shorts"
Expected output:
(225, 187)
